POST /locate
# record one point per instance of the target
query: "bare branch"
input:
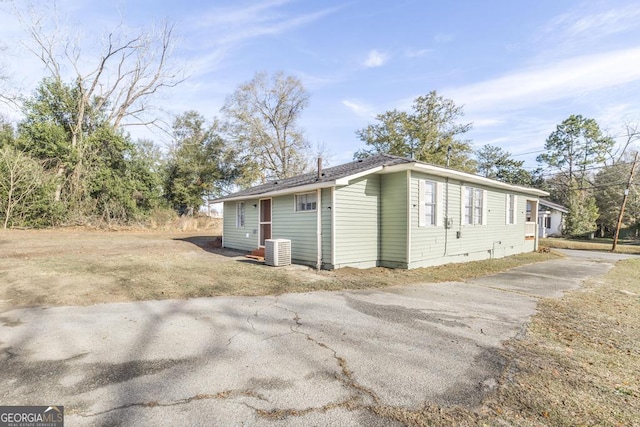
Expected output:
(633, 134)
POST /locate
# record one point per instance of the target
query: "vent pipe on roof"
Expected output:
(319, 168)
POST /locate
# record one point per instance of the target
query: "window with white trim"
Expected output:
(240, 215)
(512, 204)
(430, 203)
(306, 202)
(474, 206)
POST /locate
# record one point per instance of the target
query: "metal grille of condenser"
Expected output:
(277, 252)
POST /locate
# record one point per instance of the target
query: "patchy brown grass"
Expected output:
(353, 278)
(576, 366)
(83, 267)
(624, 247)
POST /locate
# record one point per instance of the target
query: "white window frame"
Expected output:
(314, 203)
(511, 206)
(473, 206)
(430, 202)
(240, 215)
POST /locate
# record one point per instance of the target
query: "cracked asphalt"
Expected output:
(320, 358)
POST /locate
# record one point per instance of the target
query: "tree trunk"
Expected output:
(59, 175)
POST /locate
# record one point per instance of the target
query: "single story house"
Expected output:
(384, 211)
(550, 218)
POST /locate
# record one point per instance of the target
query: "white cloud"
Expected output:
(417, 53)
(485, 123)
(231, 25)
(565, 79)
(359, 109)
(376, 59)
(443, 38)
(575, 24)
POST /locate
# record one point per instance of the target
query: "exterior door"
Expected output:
(265, 220)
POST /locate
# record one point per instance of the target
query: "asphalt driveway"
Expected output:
(295, 359)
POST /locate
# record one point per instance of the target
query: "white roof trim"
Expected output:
(470, 178)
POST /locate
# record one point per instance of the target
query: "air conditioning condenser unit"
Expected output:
(277, 252)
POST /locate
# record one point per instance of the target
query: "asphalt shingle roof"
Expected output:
(328, 175)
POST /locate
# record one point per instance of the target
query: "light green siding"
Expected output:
(357, 223)
(433, 245)
(299, 227)
(241, 238)
(374, 221)
(393, 220)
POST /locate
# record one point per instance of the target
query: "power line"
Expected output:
(551, 173)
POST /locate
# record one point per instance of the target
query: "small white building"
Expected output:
(550, 218)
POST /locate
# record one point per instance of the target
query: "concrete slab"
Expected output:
(295, 359)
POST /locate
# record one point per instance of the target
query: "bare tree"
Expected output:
(632, 131)
(128, 71)
(20, 177)
(4, 96)
(118, 82)
(263, 115)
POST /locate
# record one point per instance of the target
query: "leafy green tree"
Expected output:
(148, 166)
(99, 174)
(200, 164)
(495, 163)
(430, 133)
(583, 212)
(262, 121)
(610, 183)
(7, 134)
(120, 187)
(48, 133)
(575, 145)
(573, 150)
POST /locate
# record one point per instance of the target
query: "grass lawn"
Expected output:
(624, 246)
(80, 267)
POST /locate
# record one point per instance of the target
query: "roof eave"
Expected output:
(475, 179)
(280, 192)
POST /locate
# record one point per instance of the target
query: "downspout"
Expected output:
(408, 221)
(319, 229)
(446, 205)
(536, 235)
(446, 214)
(333, 227)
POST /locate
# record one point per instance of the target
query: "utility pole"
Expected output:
(624, 202)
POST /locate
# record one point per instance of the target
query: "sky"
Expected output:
(518, 69)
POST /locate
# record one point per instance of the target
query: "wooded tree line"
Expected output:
(70, 159)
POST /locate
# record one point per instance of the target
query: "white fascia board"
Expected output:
(463, 176)
(284, 191)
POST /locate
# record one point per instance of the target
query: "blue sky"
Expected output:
(517, 68)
